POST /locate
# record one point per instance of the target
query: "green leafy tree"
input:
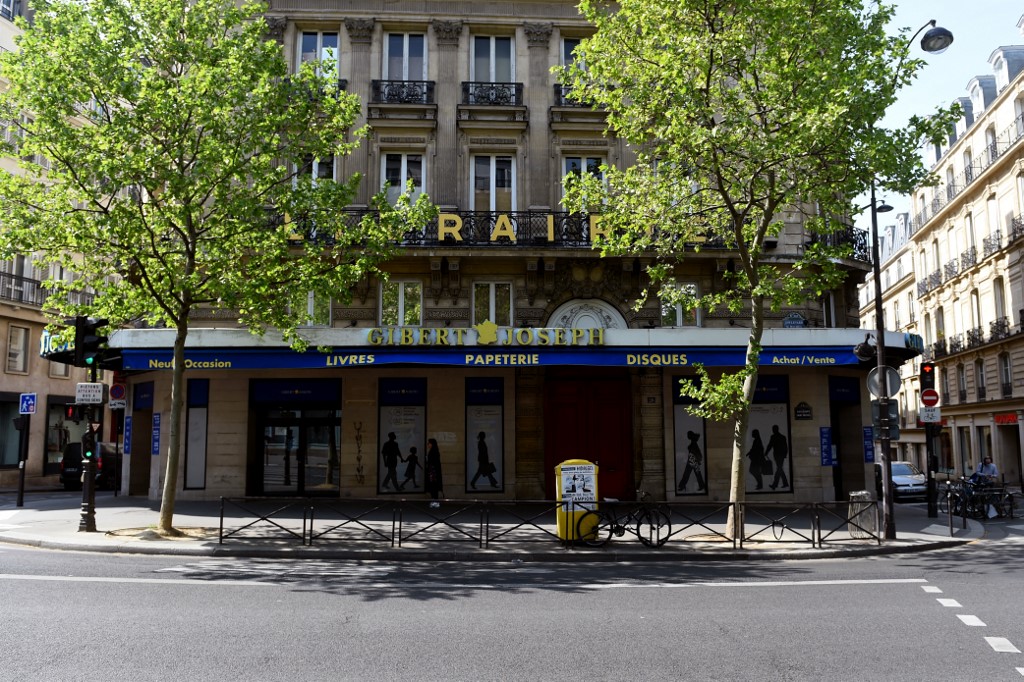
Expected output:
(167, 158)
(737, 110)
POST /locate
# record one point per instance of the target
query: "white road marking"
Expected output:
(931, 588)
(8, 513)
(1002, 645)
(951, 603)
(973, 621)
(141, 581)
(1021, 671)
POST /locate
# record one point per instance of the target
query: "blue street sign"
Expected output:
(28, 404)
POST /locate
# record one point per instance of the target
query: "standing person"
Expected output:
(694, 463)
(756, 456)
(483, 463)
(412, 462)
(432, 472)
(779, 447)
(391, 453)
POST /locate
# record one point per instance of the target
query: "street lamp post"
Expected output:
(935, 41)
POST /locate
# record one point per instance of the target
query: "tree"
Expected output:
(737, 110)
(168, 160)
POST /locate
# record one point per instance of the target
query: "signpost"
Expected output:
(90, 393)
(930, 411)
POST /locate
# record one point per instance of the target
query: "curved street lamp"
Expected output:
(935, 41)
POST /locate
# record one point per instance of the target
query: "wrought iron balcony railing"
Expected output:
(939, 349)
(952, 269)
(956, 343)
(981, 392)
(991, 244)
(999, 328)
(29, 291)
(969, 258)
(975, 337)
(402, 92)
(563, 98)
(493, 94)
(1006, 389)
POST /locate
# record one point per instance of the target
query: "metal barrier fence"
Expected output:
(483, 522)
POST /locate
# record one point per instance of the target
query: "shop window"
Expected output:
(401, 303)
(9, 441)
(492, 301)
(493, 183)
(17, 350)
(397, 171)
(405, 57)
(677, 309)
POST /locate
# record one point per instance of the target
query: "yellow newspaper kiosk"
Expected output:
(576, 488)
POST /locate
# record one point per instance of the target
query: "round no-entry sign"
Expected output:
(929, 397)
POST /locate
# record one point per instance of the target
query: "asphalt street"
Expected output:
(945, 615)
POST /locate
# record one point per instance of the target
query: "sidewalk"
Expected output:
(125, 525)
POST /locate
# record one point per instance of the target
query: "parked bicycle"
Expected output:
(965, 498)
(650, 523)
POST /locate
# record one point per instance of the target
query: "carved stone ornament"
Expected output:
(447, 32)
(537, 35)
(276, 27)
(359, 30)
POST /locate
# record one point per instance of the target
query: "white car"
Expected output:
(908, 483)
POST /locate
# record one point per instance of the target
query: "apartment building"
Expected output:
(953, 275)
(500, 333)
(22, 337)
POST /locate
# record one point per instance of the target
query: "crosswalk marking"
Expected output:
(973, 621)
(949, 603)
(1002, 645)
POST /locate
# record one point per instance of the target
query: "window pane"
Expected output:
(417, 58)
(503, 60)
(503, 305)
(17, 342)
(481, 59)
(325, 168)
(396, 56)
(389, 303)
(329, 47)
(481, 302)
(309, 41)
(415, 171)
(568, 45)
(503, 184)
(393, 170)
(412, 303)
(482, 183)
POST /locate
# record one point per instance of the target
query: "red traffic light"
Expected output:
(927, 375)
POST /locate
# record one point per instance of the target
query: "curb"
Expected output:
(482, 555)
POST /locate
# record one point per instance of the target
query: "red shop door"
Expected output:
(588, 415)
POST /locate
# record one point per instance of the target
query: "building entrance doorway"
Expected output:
(299, 452)
(588, 415)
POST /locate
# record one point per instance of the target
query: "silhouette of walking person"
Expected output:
(756, 456)
(778, 446)
(390, 453)
(694, 463)
(432, 472)
(412, 462)
(483, 463)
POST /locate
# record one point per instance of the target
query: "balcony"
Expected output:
(1016, 230)
(21, 290)
(951, 270)
(981, 392)
(969, 258)
(854, 238)
(395, 99)
(939, 349)
(992, 244)
(975, 337)
(956, 343)
(999, 329)
(305, 92)
(1006, 389)
(962, 395)
(493, 103)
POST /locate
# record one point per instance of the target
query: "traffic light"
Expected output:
(74, 413)
(89, 445)
(89, 341)
(927, 375)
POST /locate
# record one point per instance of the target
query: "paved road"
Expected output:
(946, 615)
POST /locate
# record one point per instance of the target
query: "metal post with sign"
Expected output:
(931, 415)
(23, 424)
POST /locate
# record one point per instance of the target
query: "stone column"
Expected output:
(360, 37)
(444, 183)
(539, 97)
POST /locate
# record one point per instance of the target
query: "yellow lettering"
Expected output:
(595, 229)
(407, 337)
(442, 337)
(560, 337)
(596, 337)
(524, 337)
(449, 225)
(459, 331)
(543, 337)
(551, 228)
(375, 337)
(577, 334)
(503, 228)
(425, 338)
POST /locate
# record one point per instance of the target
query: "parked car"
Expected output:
(107, 465)
(908, 483)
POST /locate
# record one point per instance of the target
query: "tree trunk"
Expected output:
(737, 485)
(166, 522)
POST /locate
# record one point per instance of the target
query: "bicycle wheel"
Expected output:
(594, 528)
(943, 501)
(653, 526)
